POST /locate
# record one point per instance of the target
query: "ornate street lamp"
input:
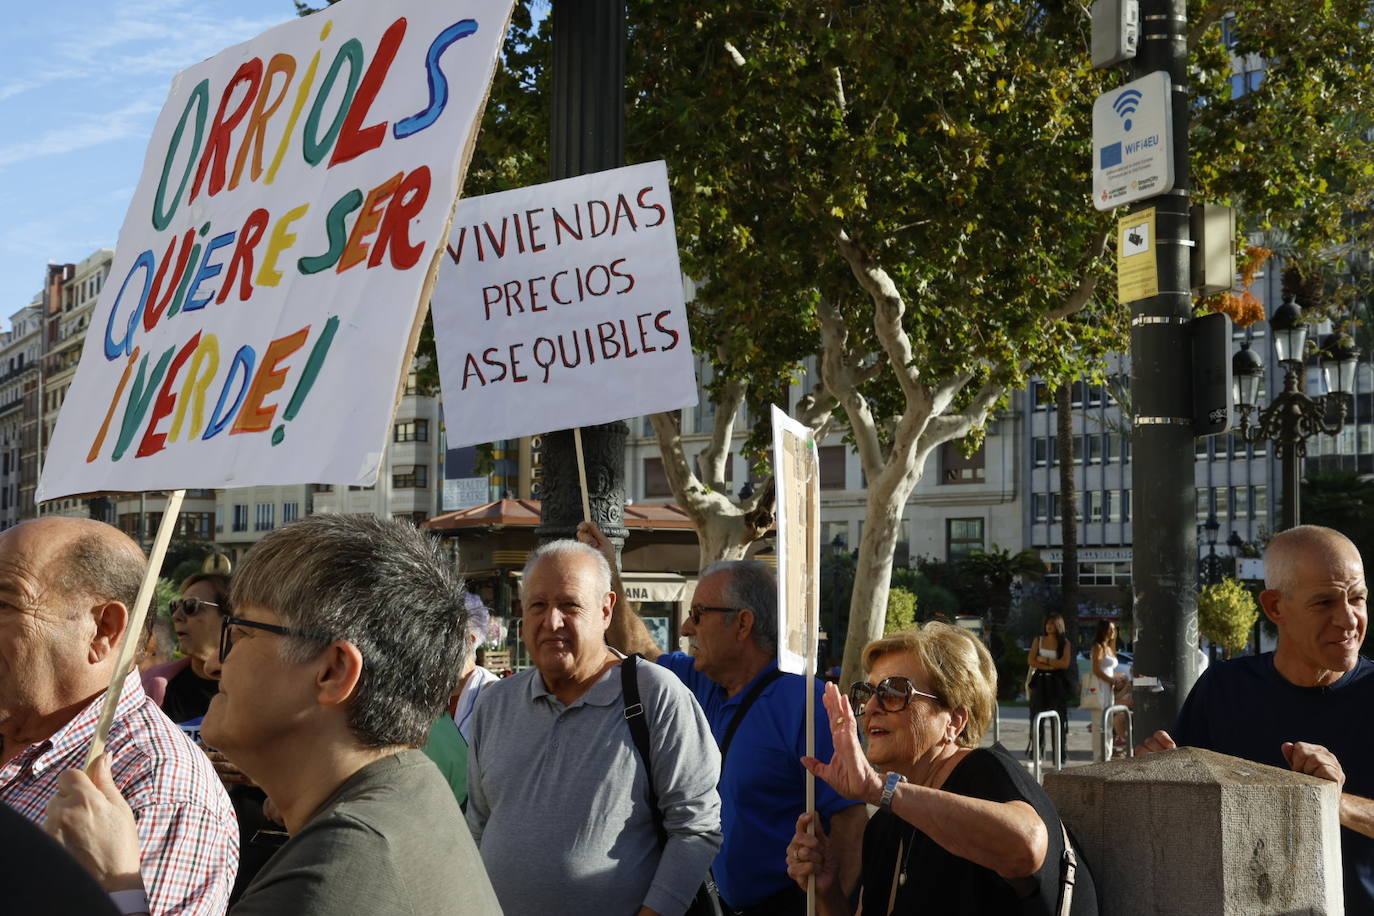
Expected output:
(1212, 567)
(1293, 417)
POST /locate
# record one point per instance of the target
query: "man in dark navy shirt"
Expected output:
(733, 624)
(1308, 704)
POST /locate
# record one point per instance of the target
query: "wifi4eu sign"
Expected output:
(1133, 142)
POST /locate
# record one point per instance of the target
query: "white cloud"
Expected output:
(132, 120)
(133, 37)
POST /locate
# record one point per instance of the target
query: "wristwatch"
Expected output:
(889, 789)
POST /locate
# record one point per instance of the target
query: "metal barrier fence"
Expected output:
(1048, 714)
(1107, 714)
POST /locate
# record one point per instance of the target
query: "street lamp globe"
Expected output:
(1338, 360)
(1247, 370)
(1290, 331)
(1235, 543)
(1210, 529)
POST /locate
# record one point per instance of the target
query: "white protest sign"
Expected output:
(266, 287)
(561, 305)
(797, 473)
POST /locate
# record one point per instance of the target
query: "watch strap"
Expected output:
(889, 789)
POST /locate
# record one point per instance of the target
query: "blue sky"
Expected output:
(81, 83)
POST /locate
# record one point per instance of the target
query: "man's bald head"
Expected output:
(67, 585)
(1305, 546)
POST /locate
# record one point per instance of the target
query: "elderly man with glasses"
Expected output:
(757, 717)
(347, 636)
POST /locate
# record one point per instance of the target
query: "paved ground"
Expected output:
(1014, 733)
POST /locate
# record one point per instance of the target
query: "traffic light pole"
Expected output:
(1164, 558)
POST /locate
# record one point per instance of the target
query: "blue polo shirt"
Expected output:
(763, 784)
(1245, 708)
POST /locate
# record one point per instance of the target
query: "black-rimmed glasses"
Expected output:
(188, 607)
(695, 611)
(893, 693)
(226, 629)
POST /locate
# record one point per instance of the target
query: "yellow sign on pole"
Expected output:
(1137, 271)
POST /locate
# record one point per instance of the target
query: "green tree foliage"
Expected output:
(1343, 500)
(901, 611)
(931, 599)
(1226, 612)
(908, 183)
(993, 572)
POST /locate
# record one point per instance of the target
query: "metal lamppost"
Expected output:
(1293, 417)
(1212, 567)
(586, 134)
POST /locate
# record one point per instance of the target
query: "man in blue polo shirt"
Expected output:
(1307, 704)
(733, 624)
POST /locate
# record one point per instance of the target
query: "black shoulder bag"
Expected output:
(706, 903)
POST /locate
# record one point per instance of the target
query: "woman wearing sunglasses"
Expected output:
(183, 688)
(959, 828)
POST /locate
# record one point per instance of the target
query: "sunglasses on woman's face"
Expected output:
(189, 607)
(893, 693)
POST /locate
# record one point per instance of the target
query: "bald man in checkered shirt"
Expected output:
(66, 586)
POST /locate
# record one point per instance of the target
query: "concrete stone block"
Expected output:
(1189, 831)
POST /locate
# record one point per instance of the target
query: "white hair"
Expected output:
(570, 548)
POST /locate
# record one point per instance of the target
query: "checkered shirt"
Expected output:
(187, 830)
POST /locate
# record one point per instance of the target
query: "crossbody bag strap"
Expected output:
(1067, 870)
(744, 705)
(639, 732)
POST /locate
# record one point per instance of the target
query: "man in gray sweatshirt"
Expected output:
(559, 797)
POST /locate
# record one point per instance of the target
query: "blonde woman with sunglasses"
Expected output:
(959, 828)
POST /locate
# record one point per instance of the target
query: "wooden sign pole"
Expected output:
(812, 592)
(134, 630)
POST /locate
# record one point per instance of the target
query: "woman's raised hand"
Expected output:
(848, 771)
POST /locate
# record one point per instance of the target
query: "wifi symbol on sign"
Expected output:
(1126, 105)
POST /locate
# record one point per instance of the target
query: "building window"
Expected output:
(1040, 507)
(197, 525)
(321, 488)
(963, 536)
(1093, 501)
(412, 431)
(1043, 451)
(1222, 497)
(290, 512)
(1116, 572)
(1114, 505)
(655, 479)
(1259, 501)
(265, 517)
(1097, 448)
(1204, 504)
(960, 468)
(410, 477)
(412, 383)
(832, 467)
(241, 517)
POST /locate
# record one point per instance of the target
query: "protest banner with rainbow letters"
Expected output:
(266, 290)
(561, 305)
